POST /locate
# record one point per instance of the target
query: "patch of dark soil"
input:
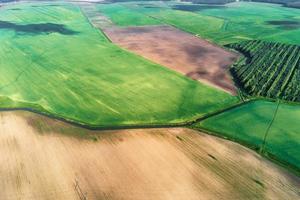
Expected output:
(45, 125)
(45, 28)
(195, 8)
(285, 24)
(197, 74)
(219, 76)
(135, 30)
(196, 51)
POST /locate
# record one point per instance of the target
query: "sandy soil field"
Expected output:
(179, 51)
(45, 159)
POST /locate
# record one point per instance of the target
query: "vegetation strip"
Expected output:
(190, 122)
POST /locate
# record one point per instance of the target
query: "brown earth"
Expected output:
(180, 51)
(43, 158)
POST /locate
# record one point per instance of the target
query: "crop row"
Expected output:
(268, 69)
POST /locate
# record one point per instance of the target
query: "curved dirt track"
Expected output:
(180, 51)
(43, 158)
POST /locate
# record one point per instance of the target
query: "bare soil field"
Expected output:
(42, 158)
(180, 51)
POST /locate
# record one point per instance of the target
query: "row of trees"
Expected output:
(268, 69)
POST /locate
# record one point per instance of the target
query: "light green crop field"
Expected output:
(269, 22)
(52, 60)
(224, 24)
(126, 15)
(248, 124)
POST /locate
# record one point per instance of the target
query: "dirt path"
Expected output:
(43, 158)
(179, 51)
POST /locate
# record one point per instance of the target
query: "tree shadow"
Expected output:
(285, 24)
(195, 8)
(6, 1)
(43, 28)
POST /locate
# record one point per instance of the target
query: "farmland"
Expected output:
(89, 80)
(123, 15)
(123, 100)
(268, 69)
(42, 158)
(248, 124)
(179, 51)
(224, 24)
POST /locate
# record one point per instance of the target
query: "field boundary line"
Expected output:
(91, 23)
(184, 123)
(256, 148)
(262, 148)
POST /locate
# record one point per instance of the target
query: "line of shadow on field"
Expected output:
(195, 8)
(43, 28)
(285, 24)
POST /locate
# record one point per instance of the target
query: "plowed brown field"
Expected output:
(43, 158)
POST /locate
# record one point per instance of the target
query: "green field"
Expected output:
(234, 22)
(127, 15)
(248, 123)
(52, 60)
(268, 69)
